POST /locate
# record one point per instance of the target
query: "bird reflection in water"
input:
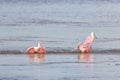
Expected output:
(85, 57)
(36, 57)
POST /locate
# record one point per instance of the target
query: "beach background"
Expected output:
(60, 25)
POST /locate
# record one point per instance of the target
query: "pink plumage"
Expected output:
(38, 49)
(83, 48)
(33, 50)
(89, 40)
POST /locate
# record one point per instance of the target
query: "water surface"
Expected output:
(60, 67)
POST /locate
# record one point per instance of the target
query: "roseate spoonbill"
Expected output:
(90, 38)
(83, 48)
(38, 49)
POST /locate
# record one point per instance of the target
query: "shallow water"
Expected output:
(58, 38)
(59, 25)
(60, 67)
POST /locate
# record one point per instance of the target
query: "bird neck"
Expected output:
(39, 45)
(92, 35)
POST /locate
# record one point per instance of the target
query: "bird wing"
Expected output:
(30, 50)
(41, 50)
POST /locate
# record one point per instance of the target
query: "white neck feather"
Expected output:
(92, 34)
(39, 44)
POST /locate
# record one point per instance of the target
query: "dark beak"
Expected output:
(95, 36)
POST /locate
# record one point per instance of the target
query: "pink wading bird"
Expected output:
(38, 49)
(83, 47)
(90, 39)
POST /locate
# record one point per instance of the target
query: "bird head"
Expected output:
(93, 35)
